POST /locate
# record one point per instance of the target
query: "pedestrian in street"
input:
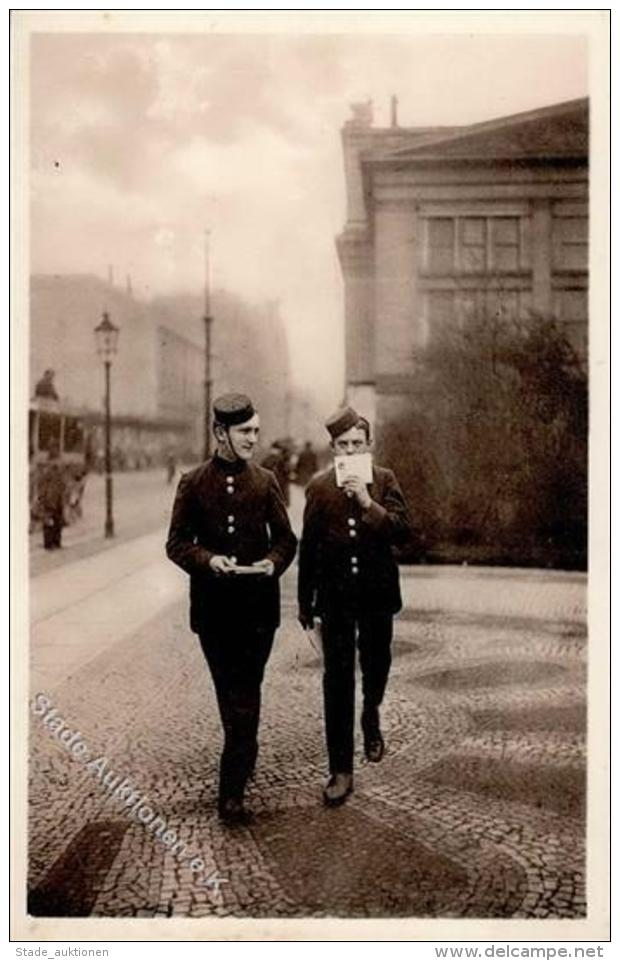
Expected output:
(52, 492)
(45, 387)
(230, 532)
(307, 464)
(278, 461)
(171, 467)
(348, 581)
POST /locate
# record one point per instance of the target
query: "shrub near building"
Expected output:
(492, 448)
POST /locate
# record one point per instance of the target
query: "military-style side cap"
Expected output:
(231, 409)
(344, 419)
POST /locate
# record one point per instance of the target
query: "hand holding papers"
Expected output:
(264, 567)
(228, 565)
(353, 465)
(315, 636)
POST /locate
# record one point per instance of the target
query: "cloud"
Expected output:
(89, 100)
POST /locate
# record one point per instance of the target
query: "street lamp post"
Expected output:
(207, 400)
(106, 338)
(208, 383)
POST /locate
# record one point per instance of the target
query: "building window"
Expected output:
(440, 247)
(571, 306)
(505, 243)
(473, 245)
(571, 309)
(570, 243)
(444, 308)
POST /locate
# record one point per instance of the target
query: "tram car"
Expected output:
(51, 429)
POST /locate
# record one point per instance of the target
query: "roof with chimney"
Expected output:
(557, 132)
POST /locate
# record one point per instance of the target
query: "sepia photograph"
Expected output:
(309, 341)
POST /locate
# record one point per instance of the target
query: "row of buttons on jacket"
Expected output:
(230, 488)
(353, 533)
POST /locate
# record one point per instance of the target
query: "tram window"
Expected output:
(49, 431)
(32, 441)
(74, 435)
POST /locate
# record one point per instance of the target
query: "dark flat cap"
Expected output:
(231, 409)
(343, 420)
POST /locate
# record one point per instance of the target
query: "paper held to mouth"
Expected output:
(353, 465)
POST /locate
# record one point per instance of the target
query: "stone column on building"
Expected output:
(355, 252)
(357, 135)
(541, 256)
(399, 334)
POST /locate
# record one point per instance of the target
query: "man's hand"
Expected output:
(265, 567)
(355, 485)
(221, 565)
(306, 620)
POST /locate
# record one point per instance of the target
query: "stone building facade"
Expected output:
(147, 418)
(445, 221)
(158, 373)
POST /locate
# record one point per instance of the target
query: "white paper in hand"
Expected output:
(315, 636)
(353, 465)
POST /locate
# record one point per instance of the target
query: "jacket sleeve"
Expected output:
(283, 540)
(390, 519)
(308, 555)
(181, 546)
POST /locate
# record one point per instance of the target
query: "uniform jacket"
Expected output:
(237, 510)
(346, 562)
(52, 487)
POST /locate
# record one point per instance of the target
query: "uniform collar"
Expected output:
(229, 466)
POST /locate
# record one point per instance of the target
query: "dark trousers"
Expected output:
(372, 634)
(52, 531)
(237, 660)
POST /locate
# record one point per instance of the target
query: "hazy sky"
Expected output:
(140, 142)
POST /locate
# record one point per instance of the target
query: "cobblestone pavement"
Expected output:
(476, 811)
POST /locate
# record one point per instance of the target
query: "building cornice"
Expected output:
(354, 249)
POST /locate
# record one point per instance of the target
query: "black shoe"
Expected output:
(374, 746)
(231, 811)
(337, 789)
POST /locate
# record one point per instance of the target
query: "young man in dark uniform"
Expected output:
(348, 578)
(230, 532)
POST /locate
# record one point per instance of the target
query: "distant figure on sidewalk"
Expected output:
(230, 532)
(52, 490)
(171, 467)
(348, 580)
(45, 387)
(277, 460)
(307, 464)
